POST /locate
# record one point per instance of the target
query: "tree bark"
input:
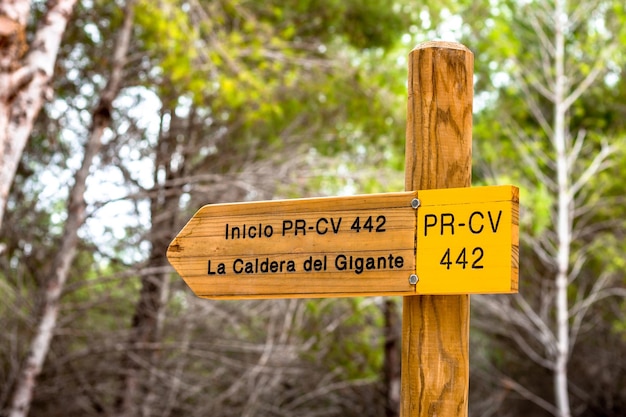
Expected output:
(24, 78)
(56, 277)
(147, 319)
(145, 331)
(391, 365)
(564, 217)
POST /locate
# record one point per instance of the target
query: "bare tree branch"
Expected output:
(598, 68)
(524, 392)
(577, 147)
(547, 337)
(597, 164)
(597, 293)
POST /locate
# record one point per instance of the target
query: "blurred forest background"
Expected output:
(119, 119)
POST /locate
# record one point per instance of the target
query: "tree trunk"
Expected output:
(564, 218)
(145, 333)
(55, 278)
(24, 78)
(391, 365)
(147, 319)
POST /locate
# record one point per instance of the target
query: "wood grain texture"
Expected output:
(435, 329)
(321, 247)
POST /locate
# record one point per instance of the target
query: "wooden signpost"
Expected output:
(433, 244)
(456, 241)
(435, 328)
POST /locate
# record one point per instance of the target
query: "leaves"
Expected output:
(547, 119)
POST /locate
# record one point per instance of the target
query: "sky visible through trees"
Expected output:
(134, 114)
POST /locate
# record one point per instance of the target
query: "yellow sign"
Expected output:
(450, 241)
(323, 247)
(468, 240)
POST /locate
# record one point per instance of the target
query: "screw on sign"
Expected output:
(433, 244)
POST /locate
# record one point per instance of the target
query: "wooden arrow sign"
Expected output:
(465, 240)
(323, 247)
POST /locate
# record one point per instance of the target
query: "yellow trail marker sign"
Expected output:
(420, 242)
(468, 240)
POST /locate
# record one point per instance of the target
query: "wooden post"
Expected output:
(435, 329)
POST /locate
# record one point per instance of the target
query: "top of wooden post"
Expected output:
(443, 45)
(439, 116)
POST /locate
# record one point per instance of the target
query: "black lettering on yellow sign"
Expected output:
(477, 222)
(464, 259)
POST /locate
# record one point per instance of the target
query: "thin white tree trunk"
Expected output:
(564, 217)
(55, 278)
(55, 281)
(24, 81)
(555, 321)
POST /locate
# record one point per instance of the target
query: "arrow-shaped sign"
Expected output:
(423, 242)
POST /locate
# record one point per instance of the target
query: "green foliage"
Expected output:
(536, 209)
(271, 73)
(246, 88)
(347, 336)
(514, 142)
